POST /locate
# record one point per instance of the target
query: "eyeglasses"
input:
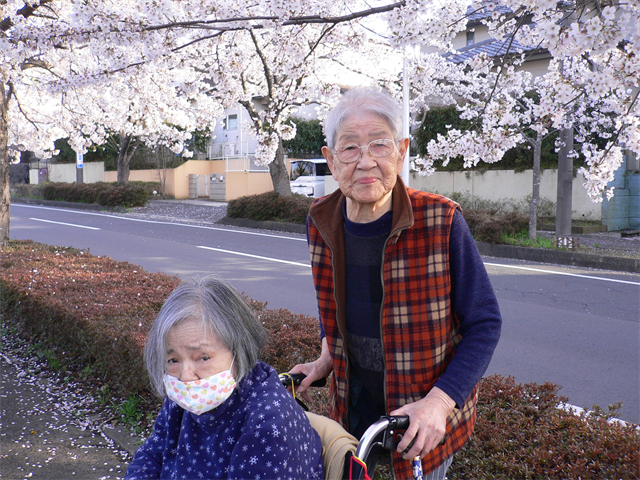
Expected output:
(382, 147)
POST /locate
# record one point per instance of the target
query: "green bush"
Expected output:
(129, 195)
(271, 206)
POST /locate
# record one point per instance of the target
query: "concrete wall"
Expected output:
(240, 184)
(622, 212)
(505, 184)
(66, 173)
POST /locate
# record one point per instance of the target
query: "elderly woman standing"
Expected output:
(408, 316)
(225, 414)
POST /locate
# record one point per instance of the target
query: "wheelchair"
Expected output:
(344, 456)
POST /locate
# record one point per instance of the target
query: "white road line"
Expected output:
(162, 223)
(255, 256)
(562, 273)
(62, 223)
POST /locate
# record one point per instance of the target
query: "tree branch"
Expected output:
(26, 11)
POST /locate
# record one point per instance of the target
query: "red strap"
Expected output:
(359, 465)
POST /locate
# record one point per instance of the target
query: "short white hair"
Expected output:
(362, 101)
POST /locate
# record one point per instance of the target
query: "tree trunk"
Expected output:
(535, 195)
(279, 173)
(5, 202)
(126, 150)
(565, 185)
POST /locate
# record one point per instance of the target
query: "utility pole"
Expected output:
(79, 169)
(405, 120)
(565, 187)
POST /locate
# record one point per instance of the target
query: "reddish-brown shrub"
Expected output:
(521, 433)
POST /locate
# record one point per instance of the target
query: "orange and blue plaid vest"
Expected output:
(419, 328)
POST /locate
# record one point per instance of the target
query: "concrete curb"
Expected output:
(61, 204)
(266, 225)
(576, 259)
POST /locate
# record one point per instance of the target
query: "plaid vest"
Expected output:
(419, 328)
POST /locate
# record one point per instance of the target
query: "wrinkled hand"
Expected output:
(321, 368)
(428, 423)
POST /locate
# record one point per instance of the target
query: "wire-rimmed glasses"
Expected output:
(379, 148)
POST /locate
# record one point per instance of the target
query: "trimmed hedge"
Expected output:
(96, 312)
(129, 195)
(271, 206)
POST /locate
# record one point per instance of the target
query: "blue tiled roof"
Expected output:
(491, 47)
(474, 16)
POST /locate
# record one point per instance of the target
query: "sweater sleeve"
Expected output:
(147, 462)
(476, 307)
(277, 441)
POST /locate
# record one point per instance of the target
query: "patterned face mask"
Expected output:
(199, 396)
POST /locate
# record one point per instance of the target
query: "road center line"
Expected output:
(255, 256)
(62, 223)
(562, 273)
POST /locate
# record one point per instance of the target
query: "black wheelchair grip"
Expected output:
(297, 378)
(400, 422)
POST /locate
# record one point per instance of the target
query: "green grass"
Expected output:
(522, 240)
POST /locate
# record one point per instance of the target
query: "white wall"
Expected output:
(506, 184)
(66, 172)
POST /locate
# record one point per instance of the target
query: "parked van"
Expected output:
(307, 176)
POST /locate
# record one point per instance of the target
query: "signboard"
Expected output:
(79, 160)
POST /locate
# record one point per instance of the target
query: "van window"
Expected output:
(302, 169)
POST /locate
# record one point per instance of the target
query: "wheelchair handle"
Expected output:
(386, 425)
(295, 379)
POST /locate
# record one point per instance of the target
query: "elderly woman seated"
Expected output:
(225, 413)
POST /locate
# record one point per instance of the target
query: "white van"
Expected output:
(307, 176)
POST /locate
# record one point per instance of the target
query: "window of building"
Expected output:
(231, 122)
(470, 39)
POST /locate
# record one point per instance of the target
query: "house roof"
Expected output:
(475, 16)
(491, 47)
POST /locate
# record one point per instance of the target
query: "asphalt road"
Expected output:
(575, 327)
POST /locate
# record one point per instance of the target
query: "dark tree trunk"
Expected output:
(5, 202)
(126, 150)
(280, 174)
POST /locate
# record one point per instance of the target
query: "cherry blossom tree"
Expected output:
(591, 86)
(278, 51)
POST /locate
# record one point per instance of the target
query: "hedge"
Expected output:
(128, 195)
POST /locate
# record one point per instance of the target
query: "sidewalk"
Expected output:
(43, 434)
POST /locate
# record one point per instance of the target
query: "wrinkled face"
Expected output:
(368, 182)
(193, 354)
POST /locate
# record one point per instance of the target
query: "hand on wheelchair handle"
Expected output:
(295, 379)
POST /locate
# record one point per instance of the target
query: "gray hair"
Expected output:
(359, 101)
(223, 313)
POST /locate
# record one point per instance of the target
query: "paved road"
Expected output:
(575, 327)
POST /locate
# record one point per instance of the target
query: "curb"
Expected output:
(77, 205)
(576, 259)
(266, 225)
